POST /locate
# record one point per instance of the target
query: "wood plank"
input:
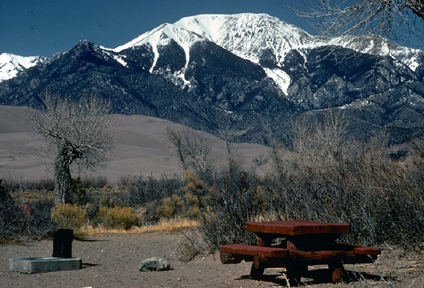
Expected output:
(242, 249)
(361, 250)
(366, 250)
(297, 227)
(326, 257)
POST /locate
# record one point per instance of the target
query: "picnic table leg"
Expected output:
(338, 273)
(257, 273)
(295, 272)
(263, 240)
(258, 266)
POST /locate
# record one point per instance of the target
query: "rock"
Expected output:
(154, 264)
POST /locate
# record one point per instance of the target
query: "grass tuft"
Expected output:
(166, 226)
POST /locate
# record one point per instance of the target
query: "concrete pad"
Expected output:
(31, 265)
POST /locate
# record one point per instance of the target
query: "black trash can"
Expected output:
(62, 243)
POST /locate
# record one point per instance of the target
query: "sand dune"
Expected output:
(141, 148)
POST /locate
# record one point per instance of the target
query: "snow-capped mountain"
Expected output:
(11, 65)
(246, 35)
(249, 36)
(261, 39)
(239, 73)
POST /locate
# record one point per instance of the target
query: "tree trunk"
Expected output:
(62, 175)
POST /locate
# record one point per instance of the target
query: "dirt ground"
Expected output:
(113, 261)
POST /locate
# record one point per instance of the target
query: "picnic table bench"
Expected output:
(303, 243)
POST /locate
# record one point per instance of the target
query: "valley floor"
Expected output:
(112, 261)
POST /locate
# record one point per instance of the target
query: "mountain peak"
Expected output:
(250, 36)
(245, 34)
(11, 65)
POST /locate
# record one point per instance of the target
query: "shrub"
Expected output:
(69, 216)
(11, 217)
(28, 196)
(192, 198)
(111, 201)
(94, 182)
(118, 217)
(21, 185)
(223, 221)
(148, 190)
(25, 213)
(192, 246)
(92, 211)
(170, 207)
(78, 192)
(39, 221)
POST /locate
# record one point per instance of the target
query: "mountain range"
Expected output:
(242, 77)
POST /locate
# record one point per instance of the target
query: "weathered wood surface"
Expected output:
(242, 249)
(325, 257)
(234, 253)
(297, 227)
(362, 250)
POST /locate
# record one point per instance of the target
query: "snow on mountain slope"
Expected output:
(249, 35)
(280, 78)
(162, 36)
(11, 65)
(246, 35)
(377, 45)
(256, 37)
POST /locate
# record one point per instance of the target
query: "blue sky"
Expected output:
(45, 27)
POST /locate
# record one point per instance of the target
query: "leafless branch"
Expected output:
(390, 19)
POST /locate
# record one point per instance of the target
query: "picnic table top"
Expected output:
(297, 227)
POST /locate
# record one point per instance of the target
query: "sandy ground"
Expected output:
(113, 261)
(140, 148)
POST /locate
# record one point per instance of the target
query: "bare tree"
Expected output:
(77, 131)
(387, 18)
(324, 139)
(332, 133)
(193, 150)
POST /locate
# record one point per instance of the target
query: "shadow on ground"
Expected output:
(317, 276)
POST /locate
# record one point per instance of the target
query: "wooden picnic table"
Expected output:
(299, 234)
(300, 243)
